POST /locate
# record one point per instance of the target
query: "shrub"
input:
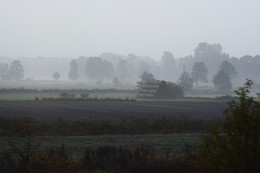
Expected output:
(233, 145)
(170, 90)
(174, 90)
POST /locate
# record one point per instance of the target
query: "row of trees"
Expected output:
(15, 71)
(238, 69)
(126, 69)
(98, 70)
(203, 65)
(222, 80)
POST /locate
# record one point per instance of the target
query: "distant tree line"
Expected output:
(208, 64)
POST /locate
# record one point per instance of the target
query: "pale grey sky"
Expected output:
(72, 28)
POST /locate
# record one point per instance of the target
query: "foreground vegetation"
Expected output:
(163, 144)
(125, 153)
(233, 145)
(100, 159)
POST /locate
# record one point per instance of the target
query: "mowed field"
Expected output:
(76, 110)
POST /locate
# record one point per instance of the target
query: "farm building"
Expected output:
(152, 89)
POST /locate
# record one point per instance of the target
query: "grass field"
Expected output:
(163, 143)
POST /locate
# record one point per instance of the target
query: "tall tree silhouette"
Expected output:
(16, 71)
(199, 72)
(73, 73)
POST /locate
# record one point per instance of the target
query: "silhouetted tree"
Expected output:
(82, 61)
(233, 145)
(186, 61)
(173, 90)
(123, 70)
(168, 66)
(199, 72)
(15, 71)
(256, 67)
(132, 56)
(229, 69)
(211, 55)
(185, 81)
(3, 71)
(112, 57)
(247, 67)
(134, 66)
(222, 81)
(98, 69)
(146, 77)
(116, 81)
(56, 75)
(73, 73)
(144, 66)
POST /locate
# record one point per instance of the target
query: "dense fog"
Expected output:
(129, 86)
(110, 44)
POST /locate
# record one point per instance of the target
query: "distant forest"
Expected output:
(208, 66)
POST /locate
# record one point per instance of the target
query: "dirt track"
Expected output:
(85, 110)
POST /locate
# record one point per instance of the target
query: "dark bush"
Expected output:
(169, 90)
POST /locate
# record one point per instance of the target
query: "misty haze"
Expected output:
(129, 86)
